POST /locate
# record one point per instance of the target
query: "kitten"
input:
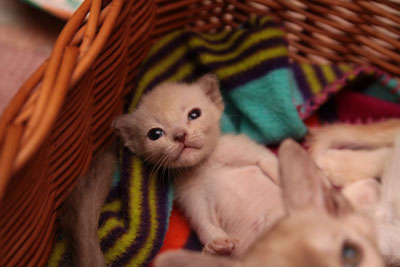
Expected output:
(226, 185)
(320, 229)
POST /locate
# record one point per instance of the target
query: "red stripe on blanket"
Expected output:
(177, 233)
(357, 107)
(312, 121)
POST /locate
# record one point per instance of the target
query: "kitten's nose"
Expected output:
(180, 136)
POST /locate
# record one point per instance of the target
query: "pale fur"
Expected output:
(346, 166)
(352, 152)
(320, 221)
(354, 136)
(226, 185)
(371, 154)
(387, 211)
(80, 214)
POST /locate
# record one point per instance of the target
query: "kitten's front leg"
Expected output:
(237, 150)
(269, 165)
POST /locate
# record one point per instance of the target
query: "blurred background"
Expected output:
(28, 30)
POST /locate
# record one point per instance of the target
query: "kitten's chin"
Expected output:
(189, 157)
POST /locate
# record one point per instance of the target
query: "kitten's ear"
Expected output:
(209, 83)
(124, 127)
(184, 258)
(303, 184)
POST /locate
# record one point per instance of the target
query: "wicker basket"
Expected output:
(61, 115)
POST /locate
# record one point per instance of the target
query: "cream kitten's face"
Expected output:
(176, 124)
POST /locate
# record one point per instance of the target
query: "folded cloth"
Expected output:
(266, 96)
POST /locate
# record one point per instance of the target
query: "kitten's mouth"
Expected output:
(187, 155)
(187, 148)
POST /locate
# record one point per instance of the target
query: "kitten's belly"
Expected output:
(246, 200)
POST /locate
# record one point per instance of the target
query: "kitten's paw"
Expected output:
(222, 246)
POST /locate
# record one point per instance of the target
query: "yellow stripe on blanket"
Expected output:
(162, 42)
(199, 42)
(312, 78)
(328, 73)
(113, 206)
(215, 36)
(146, 249)
(251, 61)
(244, 46)
(56, 255)
(110, 224)
(346, 68)
(135, 212)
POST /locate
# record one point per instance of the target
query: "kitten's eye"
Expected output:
(155, 133)
(351, 255)
(194, 114)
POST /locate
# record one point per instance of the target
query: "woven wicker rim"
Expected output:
(31, 113)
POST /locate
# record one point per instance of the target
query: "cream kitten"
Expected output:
(320, 230)
(226, 185)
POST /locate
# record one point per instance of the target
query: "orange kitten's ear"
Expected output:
(124, 127)
(303, 184)
(209, 83)
(184, 258)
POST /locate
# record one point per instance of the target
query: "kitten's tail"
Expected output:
(81, 212)
(370, 136)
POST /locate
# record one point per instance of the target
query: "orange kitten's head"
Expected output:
(176, 124)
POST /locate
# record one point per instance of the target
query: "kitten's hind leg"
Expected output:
(221, 246)
(216, 241)
(199, 209)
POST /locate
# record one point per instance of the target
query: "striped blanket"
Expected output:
(267, 97)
